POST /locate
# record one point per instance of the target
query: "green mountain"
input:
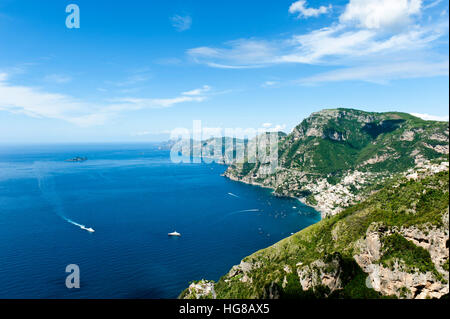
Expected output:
(381, 181)
(335, 158)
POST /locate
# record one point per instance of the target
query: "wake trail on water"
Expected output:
(47, 188)
(237, 212)
(247, 210)
(231, 194)
(76, 224)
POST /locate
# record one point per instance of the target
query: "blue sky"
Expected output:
(135, 70)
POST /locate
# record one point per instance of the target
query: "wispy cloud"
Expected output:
(243, 53)
(200, 91)
(267, 84)
(429, 117)
(134, 77)
(181, 23)
(432, 4)
(37, 103)
(382, 73)
(368, 34)
(269, 127)
(304, 12)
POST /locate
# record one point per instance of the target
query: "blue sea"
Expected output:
(133, 196)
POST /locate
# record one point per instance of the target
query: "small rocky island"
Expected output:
(77, 159)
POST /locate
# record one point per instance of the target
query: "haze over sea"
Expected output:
(133, 196)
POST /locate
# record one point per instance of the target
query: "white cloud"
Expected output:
(326, 45)
(37, 103)
(429, 117)
(276, 128)
(270, 127)
(432, 4)
(300, 8)
(382, 73)
(370, 37)
(200, 91)
(241, 53)
(377, 14)
(181, 23)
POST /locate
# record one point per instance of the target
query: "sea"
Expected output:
(132, 196)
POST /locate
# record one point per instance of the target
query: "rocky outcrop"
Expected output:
(435, 240)
(202, 289)
(395, 280)
(321, 273)
(241, 272)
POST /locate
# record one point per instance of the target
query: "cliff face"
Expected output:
(336, 158)
(393, 244)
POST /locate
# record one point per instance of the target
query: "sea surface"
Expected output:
(132, 196)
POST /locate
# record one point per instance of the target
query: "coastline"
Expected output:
(302, 200)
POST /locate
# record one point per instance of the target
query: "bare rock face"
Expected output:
(406, 285)
(436, 242)
(200, 290)
(407, 136)
(321, 273)
(443, 149)
(370, 252)
(243, 271)
(271, 292)
(395, 280)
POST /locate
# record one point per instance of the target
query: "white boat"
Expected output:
(91, 230)
(175, 233)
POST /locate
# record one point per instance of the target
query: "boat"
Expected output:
(91, 230)
(175, 233)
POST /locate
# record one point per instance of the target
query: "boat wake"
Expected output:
(231, 194)
(248, 210)
(79, 225)
(47, 188)
(238, 212)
